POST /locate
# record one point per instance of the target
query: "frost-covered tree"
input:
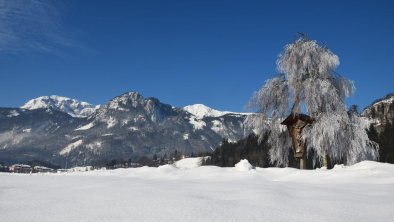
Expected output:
(307, 83)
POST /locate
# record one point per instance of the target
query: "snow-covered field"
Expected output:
(186, 192)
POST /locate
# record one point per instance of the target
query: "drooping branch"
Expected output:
(308, 83)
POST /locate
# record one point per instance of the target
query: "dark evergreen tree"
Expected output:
(228, 154)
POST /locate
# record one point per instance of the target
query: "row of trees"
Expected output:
(153, 161)
(256, 152)
(228, 154)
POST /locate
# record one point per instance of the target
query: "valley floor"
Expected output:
(363, 192)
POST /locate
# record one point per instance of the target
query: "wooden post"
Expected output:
(303, 162)
(325, 161)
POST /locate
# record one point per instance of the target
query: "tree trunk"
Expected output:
(325, 161)
(303, 162)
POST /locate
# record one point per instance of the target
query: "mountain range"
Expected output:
(69, 132)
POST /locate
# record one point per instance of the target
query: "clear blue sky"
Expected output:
(183, 52)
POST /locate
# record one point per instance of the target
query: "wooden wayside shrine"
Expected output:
(295, 123)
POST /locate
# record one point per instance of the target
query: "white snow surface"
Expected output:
(189, 163)
(27, 130)
(13, 113)
(70, 147)
(217, 126)
(185, 136)
(198, 124)
(243, 165)
(72, 107)
(111, 122)
(200, 111)
(85, 127)
(362, 192)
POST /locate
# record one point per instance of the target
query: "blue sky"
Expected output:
(183, 52)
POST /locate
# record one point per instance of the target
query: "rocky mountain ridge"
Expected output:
(128, 126)
(72, 107)
(380, 116)
(380, 112)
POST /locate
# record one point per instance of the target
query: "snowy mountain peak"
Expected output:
(201, 111)
(125, 100)
(131, 95)
(72, 107)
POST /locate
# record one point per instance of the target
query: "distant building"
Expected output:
(20, 168)
(80, 169)
(3, 168)
(42, 169)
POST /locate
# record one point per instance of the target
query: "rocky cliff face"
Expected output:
(380, 115)
(380, 112)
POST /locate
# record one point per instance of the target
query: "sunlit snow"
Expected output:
(111, 122)
(86, 127)
(198, 124)
(28, 130)
(13, 113)
(200, 111)
(362, 192)
(70, 147)
(73, 107)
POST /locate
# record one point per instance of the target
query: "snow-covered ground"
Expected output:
(186, 192)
